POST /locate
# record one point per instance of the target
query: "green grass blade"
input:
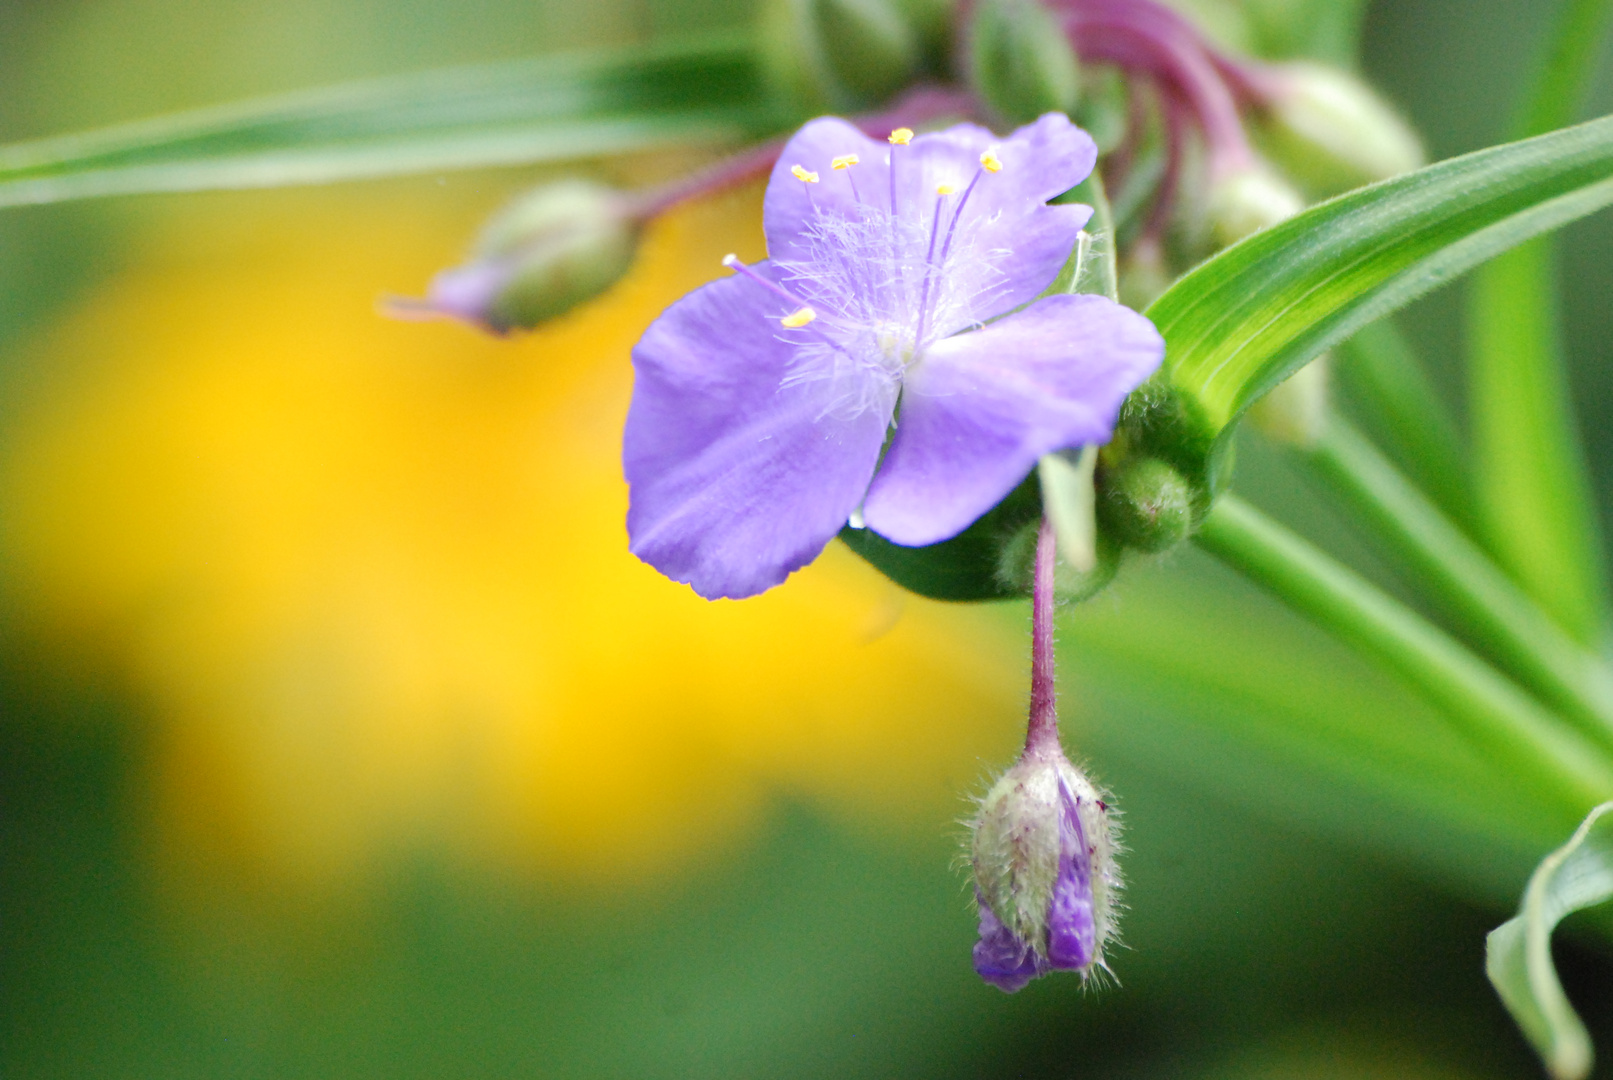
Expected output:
(1204, 679)
(1499, 719)
(1245, 320)
(1398, 402)
(1533, 491)
(1497, 617)
(548, 109)
(1518, 960)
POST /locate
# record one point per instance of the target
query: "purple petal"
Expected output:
(1004, 211)
(791, 205)
(1071, 934)
(979, 408)
(1001, 958)
(736, 479)
(467, 292)
(1008, 245)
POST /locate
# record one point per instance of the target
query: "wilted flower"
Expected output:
(858, 376)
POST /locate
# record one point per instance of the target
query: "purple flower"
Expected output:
(890, 365)
(1045, 880)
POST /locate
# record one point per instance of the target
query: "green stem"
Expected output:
(1504, 622)
(1515, 731)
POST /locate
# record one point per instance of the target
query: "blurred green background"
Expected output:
(339, 736)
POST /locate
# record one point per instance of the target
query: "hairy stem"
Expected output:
(1042, 732)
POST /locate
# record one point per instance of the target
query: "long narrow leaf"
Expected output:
(1243, 321)
(1577, 875)
(1534, 492)
(1402, 409)
(548, 109)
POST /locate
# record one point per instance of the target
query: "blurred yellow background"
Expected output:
(372, 577)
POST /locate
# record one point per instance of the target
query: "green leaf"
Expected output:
(1240, 323)
(1534, 493)
(1399, 404)
(1576, 876)
(549, 109)
(1499, 720)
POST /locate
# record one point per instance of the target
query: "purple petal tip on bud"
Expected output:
(1043, 850)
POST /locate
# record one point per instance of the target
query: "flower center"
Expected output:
(874, 286)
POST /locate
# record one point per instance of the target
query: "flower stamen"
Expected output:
(798, 318)
(843, 163)
(733, 263)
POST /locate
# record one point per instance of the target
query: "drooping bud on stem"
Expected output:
(544, 254)
(1044, 838)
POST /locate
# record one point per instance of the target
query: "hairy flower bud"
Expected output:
(546, 253)
(838, 53)
(1146, 504)
(1016, 561)
(1333, 130)
(1247, 199)
(1020, 61)
(1043, 850)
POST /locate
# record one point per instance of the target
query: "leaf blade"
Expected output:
(1244, 320)
(1518, 960)
(552, 108)
(1533, 487)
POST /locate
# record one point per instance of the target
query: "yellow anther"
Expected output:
(803, 175)
(799, 318)
(991, 162)
(844, 161)
(945, 189)
(901, 136)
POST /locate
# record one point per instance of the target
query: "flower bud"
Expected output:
(1247, 199)
(837, 54)
(1016, 562)
(1333, 131)
(1021, 62)
(1042, 848)
(1145, 504)
(546, 253)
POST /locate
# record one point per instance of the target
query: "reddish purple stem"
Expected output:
(1042, 732)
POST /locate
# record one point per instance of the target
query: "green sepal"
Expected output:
(966, 567)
